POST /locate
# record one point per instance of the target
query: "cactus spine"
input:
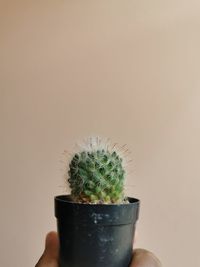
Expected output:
(97, 176)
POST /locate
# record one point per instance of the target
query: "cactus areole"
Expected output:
(96, 222)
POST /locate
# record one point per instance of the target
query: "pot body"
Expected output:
(95, 235)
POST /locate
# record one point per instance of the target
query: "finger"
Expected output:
(51, 246)
(49, 257)
(144, 258)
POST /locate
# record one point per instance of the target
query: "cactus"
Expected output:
(96, 175)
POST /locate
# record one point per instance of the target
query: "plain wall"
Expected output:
(128, 70)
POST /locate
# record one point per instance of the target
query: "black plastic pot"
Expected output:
(95, 235)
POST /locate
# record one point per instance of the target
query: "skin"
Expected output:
(49, 258)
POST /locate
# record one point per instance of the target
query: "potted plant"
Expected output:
(96, 222)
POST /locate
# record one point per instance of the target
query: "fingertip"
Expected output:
(50, 237)
(144, 258)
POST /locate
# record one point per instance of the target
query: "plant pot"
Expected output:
(95, 235)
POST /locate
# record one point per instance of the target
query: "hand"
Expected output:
(141, 257)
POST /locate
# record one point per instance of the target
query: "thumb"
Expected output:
(144, 258)
(51, 246)
(51, 251)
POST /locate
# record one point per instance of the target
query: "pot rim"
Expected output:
(66, 199)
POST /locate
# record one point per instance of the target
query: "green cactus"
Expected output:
(97, 176)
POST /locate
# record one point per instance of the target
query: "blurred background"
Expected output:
(127, 70)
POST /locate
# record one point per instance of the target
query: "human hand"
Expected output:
(141, 257)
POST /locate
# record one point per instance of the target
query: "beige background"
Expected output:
(128, 70)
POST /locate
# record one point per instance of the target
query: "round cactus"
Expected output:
(97, 176)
